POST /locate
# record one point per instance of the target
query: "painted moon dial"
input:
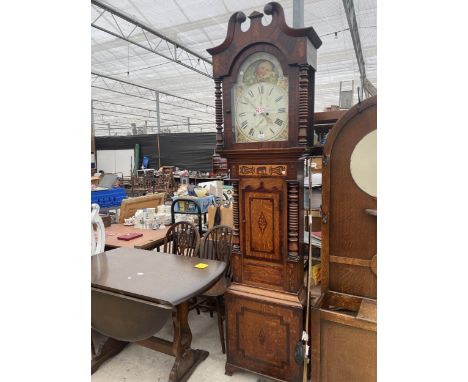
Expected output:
(260, 100)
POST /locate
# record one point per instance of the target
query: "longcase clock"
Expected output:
(264, 97)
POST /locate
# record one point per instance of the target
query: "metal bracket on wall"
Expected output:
(324, 216)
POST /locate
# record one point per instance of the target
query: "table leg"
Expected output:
(109, 349)
(187, 359)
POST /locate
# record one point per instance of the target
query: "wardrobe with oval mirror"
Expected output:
(344, 320)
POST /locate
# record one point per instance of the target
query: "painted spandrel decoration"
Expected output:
(260, 100)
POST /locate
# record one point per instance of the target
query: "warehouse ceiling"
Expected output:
(130, 62)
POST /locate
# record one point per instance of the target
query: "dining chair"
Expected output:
(182, 239)
(130, 205)
(216, 245)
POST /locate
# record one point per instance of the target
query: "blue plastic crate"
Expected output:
(203, 202)
(108, 198)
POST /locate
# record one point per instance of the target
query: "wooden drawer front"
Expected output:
(344, 345)
(353, 279)
(347, 353)
(261, 337)
(262, 223)
(263, 274)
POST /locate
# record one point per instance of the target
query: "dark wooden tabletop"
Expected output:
(153, 276)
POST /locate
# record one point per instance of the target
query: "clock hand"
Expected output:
(268, 119)
(258, 124)
(251, 104)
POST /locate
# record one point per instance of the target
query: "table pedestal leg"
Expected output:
(187, 359)
(110, 348)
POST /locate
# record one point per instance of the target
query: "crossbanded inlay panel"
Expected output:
(262, 220)
(258, 336)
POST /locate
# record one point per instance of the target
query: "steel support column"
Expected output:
(93, 129)
(298, 14)
(158, 114)
(354, 30)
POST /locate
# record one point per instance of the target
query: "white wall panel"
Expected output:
(114, 161)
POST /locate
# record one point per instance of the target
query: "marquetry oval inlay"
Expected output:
(261, 336)
(262, 222)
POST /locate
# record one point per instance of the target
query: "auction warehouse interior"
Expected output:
(234, 190)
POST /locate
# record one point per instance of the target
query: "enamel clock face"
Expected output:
(260, 101)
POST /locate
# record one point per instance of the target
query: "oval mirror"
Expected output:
(363, 164)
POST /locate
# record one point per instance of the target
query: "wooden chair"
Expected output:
(182, 239)
(186, 205)
(167, 179)
(131, 205)
(216, 245)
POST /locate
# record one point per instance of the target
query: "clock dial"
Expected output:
(260, 101)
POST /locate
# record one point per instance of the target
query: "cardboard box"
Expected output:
(316, 221)
(316, 164)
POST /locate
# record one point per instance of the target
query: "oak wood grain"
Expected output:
(344, 320)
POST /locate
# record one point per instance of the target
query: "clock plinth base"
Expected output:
(263, 327)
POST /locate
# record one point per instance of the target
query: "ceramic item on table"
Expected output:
(163, 209)
(129, 221)
(113, 215)
(147, 223)
(200, 192)
(158, 219)
(168, 218)
(138, 215)
(140, 223)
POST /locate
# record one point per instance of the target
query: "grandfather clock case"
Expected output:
(264, 98)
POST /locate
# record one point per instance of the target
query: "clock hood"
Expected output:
(304, 40)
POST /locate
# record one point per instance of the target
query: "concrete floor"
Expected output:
(139, 364)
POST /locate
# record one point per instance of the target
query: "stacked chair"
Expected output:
(183, 239)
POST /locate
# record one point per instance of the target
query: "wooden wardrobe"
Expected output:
(344, 319)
